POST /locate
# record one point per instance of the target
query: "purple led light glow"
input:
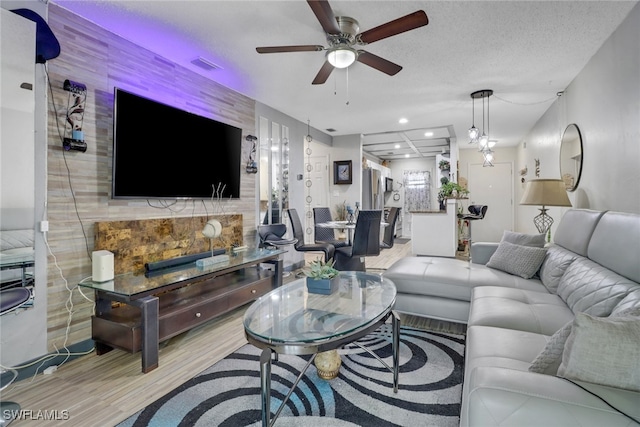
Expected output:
(162, 39)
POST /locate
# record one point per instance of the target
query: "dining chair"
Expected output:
(366, 242)
(324, 234)
(390, 230)
(298, 233)
(273, 235)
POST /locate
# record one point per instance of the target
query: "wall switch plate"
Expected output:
(44, 226)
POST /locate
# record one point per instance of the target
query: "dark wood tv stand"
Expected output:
(155, 307)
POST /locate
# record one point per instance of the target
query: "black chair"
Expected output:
(298, 233)
(272, 235)
(476, 212)
(324, 234)
(366, 242)
(390, 230)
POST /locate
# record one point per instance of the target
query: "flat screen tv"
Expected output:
(163, 152)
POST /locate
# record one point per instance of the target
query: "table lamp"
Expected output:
(545, 192)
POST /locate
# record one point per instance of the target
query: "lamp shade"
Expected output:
(545, 192)
(341, 57)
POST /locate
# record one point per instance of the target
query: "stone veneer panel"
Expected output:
(137, 242)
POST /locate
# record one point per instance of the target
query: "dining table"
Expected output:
(349, 226)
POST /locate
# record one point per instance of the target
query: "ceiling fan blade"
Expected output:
(378, 63)
(323, 74)
(406, 23)
(325, 15)
(300, 48)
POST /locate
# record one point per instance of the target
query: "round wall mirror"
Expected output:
(571, 157)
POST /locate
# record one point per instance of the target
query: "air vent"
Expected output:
(330, 130)
(205, 64)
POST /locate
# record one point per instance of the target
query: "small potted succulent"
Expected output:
(322, 277)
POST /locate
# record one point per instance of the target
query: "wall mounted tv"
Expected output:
(163, 152)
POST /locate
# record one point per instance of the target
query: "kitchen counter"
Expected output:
(434, 233)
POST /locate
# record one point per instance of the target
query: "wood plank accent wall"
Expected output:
(79, 184)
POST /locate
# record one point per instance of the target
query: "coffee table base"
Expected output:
(265, 371)
(328, 364)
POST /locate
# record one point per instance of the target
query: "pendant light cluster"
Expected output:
(485, 145)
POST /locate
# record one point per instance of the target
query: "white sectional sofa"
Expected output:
(553, 349)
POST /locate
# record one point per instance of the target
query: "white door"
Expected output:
(491, 186)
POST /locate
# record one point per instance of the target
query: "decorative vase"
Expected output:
(328, 364)
(323, 286)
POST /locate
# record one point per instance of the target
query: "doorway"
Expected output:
(492, 186)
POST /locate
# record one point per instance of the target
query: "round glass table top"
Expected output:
(290, 314)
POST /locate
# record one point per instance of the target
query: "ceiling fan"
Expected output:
(343, 35)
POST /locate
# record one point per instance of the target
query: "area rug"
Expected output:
(228, 393)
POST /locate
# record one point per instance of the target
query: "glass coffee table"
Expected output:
(290, 320)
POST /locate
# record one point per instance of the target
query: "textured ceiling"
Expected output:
(525, 51)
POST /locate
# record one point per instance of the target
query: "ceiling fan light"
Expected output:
(341, 57)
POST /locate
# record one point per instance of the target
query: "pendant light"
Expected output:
(484, 143)
(473, 130)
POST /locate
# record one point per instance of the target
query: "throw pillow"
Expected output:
(534, 240)
(549, 359)
(604, 351)
(523, 261)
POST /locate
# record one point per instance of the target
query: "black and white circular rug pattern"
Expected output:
(228, 393)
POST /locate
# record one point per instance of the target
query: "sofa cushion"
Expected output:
(615, 244)
(554, 265)
(523, 261)
(603, 351)
(534, 240)
(631, 301)
(500, 347)
(575, 229)
(518, 309)
(451, 278)
(593, 289)
(506, 397)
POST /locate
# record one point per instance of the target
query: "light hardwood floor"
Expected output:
(105, 390)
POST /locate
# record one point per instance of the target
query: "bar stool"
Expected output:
(476, 212)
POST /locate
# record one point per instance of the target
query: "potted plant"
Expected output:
(322, 277)
(450, 190)
(444, 165)
(341, 211)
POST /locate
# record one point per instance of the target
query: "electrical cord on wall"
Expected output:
(61, 136)
(69, 302)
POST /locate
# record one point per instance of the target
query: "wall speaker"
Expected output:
(102, 266)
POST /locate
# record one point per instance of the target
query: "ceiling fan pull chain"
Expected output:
(347, 86)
